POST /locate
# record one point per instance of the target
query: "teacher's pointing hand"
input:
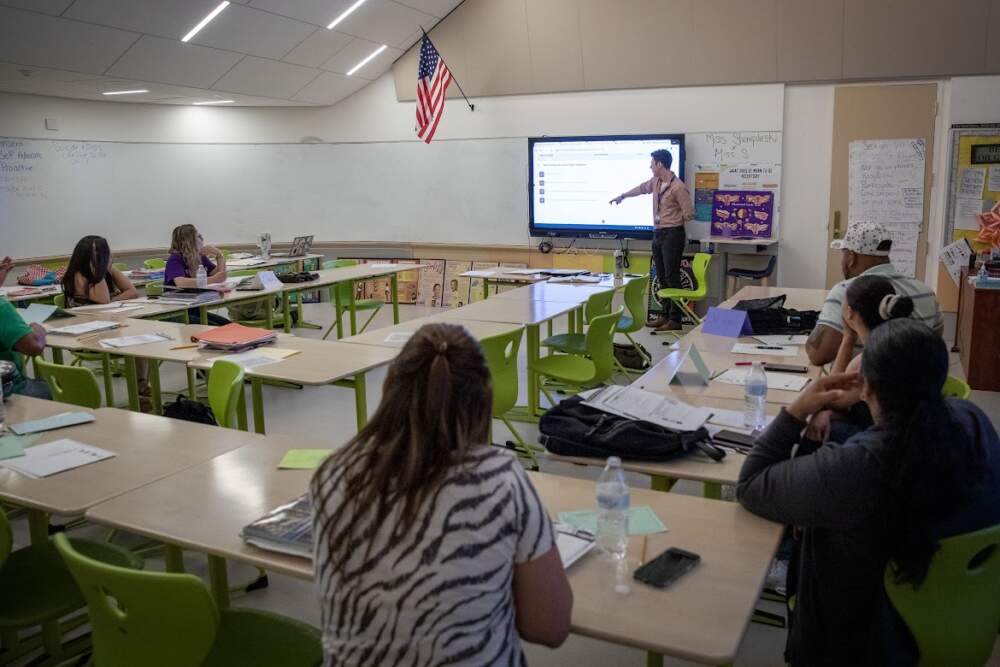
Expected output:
(617, 200)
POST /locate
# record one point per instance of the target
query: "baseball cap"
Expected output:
(865, 238)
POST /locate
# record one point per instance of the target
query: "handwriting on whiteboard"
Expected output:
(738, 146)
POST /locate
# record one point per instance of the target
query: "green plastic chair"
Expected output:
(574, 372)
(225, 386)
(638, 311)
(576, 343)
(954, 613)
(159, 619)
(38, 590)
(501, 358)
(155, 263)
(344, 290)
(277, 317)
(154, 288)
(121, 266)
(956, 388)
(76, 385)
(682, 297)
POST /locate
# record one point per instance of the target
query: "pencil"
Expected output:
(185, 347)
(642, 553)
(293, 353)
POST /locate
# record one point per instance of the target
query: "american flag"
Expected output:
(433, 78)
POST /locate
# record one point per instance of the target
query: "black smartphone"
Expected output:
(734, 437)
(667, 568)
(785, 368)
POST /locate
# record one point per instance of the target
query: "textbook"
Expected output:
(286, 529)
(234, 337)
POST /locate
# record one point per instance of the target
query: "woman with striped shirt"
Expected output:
(431, 546)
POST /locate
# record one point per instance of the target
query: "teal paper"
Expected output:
(61, 420)
(37, 312)
(12, 446)
(642, 520)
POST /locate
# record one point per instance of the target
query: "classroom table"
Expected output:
(529, 313)
(316, 363)
(29, 293)
(702, 617)
(257, 263)
(559, 292)
(395, 337)
(501, 276)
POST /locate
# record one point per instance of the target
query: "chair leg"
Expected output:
(639, 349)
(526, 450)
(628, 376)
(369, 320)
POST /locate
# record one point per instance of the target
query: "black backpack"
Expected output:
(574, 429)
(769, 316)
(628, 355)
(190, 411)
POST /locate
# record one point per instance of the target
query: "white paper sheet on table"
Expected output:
(36, 313)
(85, 327)
(783, 339)
(783, 381)
(767, 350)
(257, 357)
(129, 341)
(634, 403)
(55, 457)
(731, 420)
(398, 337)
(117, 307)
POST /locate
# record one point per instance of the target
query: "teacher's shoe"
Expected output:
(656, 322)
(670, 325)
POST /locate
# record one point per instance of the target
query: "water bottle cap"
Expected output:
(614, 461)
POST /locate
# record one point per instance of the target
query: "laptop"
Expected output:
(300, 246)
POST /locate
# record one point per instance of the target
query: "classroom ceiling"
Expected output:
(254, 52)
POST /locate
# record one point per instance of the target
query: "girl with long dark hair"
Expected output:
(928, 468)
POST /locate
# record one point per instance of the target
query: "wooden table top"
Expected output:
(702, 617)
(476, 328)
(514, 311)
(148, 448)
(180, 334)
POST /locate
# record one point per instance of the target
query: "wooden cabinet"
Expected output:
(977, 335)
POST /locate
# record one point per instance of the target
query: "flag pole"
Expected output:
(472, 107)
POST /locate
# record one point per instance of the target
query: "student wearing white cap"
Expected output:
(864, 250)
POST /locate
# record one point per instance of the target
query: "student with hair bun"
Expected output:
(432, 547)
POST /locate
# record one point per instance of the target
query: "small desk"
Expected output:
(703, 617)
(477, 329)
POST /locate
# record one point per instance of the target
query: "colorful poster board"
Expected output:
(742, 214)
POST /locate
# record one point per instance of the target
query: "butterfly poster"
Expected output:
(742, 213)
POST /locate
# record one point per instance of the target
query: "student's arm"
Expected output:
(824, 341)
(126, 290)
(543, 600)
(220, 262)
(32, 344)
(845, 353)
(16, 335)
(185, 283)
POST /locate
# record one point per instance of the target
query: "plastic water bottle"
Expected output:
(754, 397)
(612, 516)
(201, 277)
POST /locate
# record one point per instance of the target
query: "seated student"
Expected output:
(440, 539)
(187, 252)
(90, 279)
(864, 250)
(17, 339)
(929, 468)
(868, 302)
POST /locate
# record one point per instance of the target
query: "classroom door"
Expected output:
(877, 112)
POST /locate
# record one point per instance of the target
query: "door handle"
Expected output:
(836, 224)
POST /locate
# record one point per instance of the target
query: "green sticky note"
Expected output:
(303, 459)
(13, 445)
(642, 520)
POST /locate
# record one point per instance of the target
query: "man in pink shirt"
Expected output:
(672, 207)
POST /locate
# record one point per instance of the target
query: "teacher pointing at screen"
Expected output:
(672, 207)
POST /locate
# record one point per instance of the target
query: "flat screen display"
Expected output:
(571, 180)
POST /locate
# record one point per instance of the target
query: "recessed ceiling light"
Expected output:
(365, 61)
(204, 22)
(125, 92)
(346, 13)
(199, 104)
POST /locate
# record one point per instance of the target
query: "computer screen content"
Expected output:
(572, 179)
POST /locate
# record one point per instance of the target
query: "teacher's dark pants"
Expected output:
(668, 249)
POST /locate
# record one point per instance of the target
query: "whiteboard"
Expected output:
(471, 191)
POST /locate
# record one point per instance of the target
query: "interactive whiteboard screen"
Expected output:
(572, 179)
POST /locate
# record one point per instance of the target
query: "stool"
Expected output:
(733, 276)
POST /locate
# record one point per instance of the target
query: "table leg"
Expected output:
(486, 289)
(173, 557)
(38, 526)
(394, 286)
(241, 410)
(269, 318)
(257, 398)
(132, 382)
(360, 400)
(660, 483)
(154, 385)
(218, 581)
(286, 311)
(532, 350)
(654, 659)
(352, 307)
(57, 355)
(192, 384)
(109, 385)
(338, 310)
(713, 490)
(203, 314)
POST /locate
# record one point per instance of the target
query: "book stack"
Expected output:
(286, 529)
(235, 337)
(188, 297)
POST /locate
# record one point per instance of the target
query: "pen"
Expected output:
(769, 347)
(743, 363)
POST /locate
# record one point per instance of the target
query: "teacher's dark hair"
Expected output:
(663, 157)
(875, 301)
(933, 465)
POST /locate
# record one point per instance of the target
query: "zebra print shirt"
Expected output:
(441, 594)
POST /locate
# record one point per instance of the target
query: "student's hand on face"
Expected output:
(847, 398)
(819, 426)
(210, 250)
(822, 393)
(5, 266)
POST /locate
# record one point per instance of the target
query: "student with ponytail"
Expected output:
(928, 468)
(431, 546)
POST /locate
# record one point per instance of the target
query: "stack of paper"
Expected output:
(249, 261)
(86, 327)
(783, 381)
(635, 403)
(192, 297)
(128, 341)
(257, 357)
(55, 457)
(285, 529)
